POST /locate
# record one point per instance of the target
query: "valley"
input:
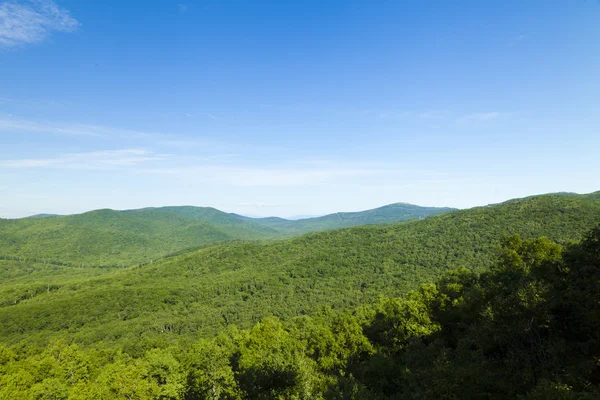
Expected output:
(311, 306)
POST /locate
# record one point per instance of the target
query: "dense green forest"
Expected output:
(529, 328)
(465, 304)
(386, 214)
(114, 238)
(200, 293)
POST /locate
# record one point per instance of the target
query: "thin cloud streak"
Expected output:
(11, 125)
(14, 125)
(219, 171)
(96, 160)
(174, 141)
(214, 169)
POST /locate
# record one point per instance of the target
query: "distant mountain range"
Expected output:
(199, 292)
(391, 213)
(43, 216)
(108, 237)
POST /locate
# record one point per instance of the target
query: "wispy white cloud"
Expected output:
(226, 170)
(217, 163)
(204, 145)
(96, 160)
(12, 125)
(32, 21)
(17, 126)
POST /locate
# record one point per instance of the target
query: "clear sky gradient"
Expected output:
(295, 107)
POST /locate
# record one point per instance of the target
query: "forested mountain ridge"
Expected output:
(527, 328)
(222, 220)
(594, 195)
(202, 292)
(105, 237)
(110, 238)
(387, 214)
(43, 216)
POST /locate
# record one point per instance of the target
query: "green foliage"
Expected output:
(197, 294)
(345, 314)
(113, 238)
(499, 334)
(386, 214)
(119, 238)
(210, 374)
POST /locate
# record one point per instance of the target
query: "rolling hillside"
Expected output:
(106, 237)
(199, 293)
(386, 214)
(111, 238)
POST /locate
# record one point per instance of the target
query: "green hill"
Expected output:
(386, 214)
(201, 292)
(105, 237)
(593, 196)
(43, 216)
(230, 224)
(110, 238)
(527, 328)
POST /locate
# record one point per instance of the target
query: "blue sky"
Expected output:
(287, 108)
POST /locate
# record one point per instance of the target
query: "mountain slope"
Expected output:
(230, 224)
(386, 214)
(200, 292)
(105, 237)
(593, 196)
(108, 237)
(43, 216)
